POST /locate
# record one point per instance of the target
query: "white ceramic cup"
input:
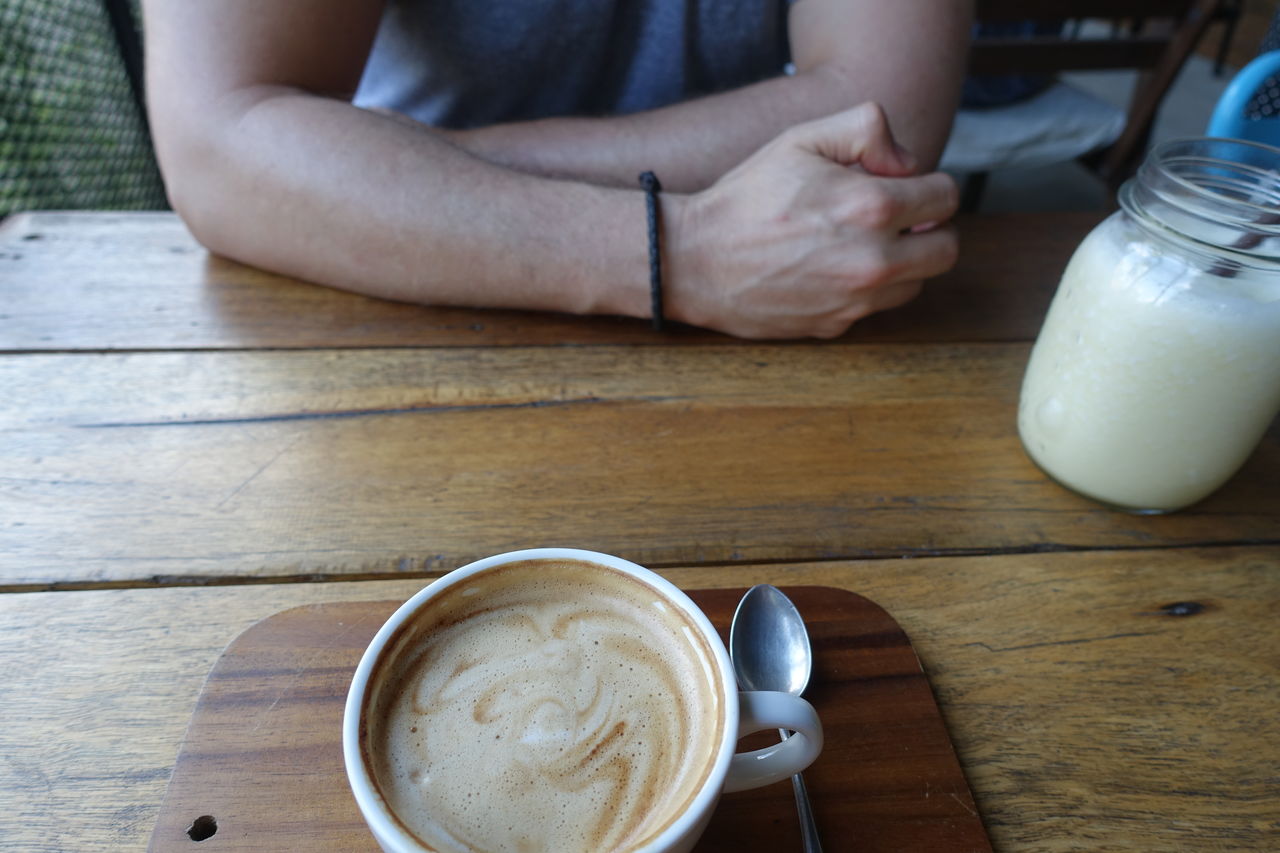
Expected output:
(743, 712)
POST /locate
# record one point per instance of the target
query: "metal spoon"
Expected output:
(770, 650)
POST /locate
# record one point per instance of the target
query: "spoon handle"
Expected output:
(808, 827)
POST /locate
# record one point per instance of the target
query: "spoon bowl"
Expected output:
(769, 644)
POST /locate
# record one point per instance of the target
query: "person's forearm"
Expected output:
(907, 56)
(316, 188)
(267, 162)
(689, 145)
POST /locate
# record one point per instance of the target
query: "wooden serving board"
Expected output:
(262, 757)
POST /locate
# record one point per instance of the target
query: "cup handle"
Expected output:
(760, 710)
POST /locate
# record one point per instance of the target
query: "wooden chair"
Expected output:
(1153, 37)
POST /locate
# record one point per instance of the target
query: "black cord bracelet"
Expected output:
(649, 183)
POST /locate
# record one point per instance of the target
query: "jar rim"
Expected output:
(1202, 148)
(1218, 195)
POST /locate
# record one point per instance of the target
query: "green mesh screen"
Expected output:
(71, 133)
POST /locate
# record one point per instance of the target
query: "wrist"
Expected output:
(681, 260)
(622, 287)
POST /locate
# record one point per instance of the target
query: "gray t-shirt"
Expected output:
(467, 63)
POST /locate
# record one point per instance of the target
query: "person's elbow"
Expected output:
(192, 168)
(197, 153)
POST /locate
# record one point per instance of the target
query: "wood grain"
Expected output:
(139, 281)
(263, 755)
(154, 468)
(1105, 700)
(1087, 713)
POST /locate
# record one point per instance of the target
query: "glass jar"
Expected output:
(1157, 370)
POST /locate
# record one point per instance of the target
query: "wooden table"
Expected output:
(191, 445)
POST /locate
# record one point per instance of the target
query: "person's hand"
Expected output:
(822, 226)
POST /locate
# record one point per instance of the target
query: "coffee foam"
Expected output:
(546, 705)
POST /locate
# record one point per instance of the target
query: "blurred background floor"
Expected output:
(1185, 112)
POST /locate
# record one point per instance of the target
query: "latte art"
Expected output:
(531, 711)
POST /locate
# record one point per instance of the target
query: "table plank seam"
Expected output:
(197, 581)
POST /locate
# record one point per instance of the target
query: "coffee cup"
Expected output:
(560, 700)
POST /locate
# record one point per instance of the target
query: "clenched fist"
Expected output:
(822, 226)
